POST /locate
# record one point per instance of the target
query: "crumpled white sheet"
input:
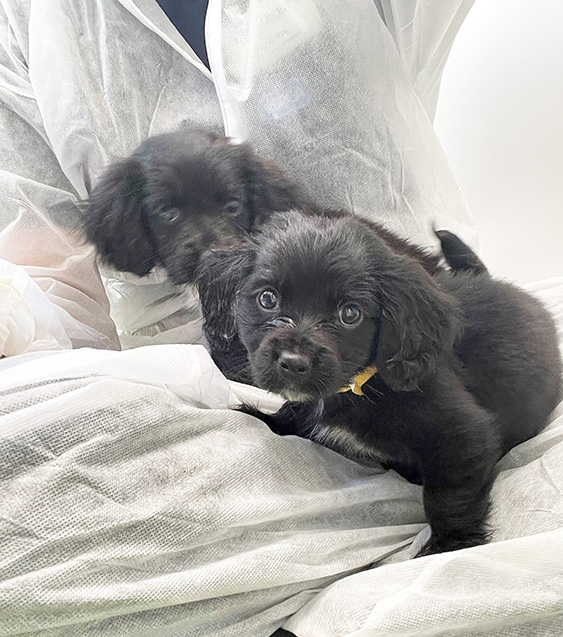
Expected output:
(152, 310)
(133, 503)
(29, 322)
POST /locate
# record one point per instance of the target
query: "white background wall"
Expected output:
(500, 122)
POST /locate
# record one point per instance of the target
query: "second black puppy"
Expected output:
(179, 194)
(445, 374)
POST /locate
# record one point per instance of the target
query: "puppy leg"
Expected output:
(458, 469)
(457, 515)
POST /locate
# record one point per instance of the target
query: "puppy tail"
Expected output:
(458, 255)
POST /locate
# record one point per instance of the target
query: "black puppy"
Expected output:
(445, 374)
(179, 194)
(223, 271)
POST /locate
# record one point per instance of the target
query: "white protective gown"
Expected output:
(341, 94)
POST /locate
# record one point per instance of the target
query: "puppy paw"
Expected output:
(245, 408)
(452, 542)
(269, 420)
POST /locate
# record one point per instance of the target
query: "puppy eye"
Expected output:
(169, 215)
(350, 314)
(232, 207)
(268, 299)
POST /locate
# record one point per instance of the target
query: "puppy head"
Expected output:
(327, 298)
(178, 195)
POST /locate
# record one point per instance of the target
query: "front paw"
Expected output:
(454, 542)
(245, 408)
(267, 419)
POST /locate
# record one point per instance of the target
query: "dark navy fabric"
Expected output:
(188, 16)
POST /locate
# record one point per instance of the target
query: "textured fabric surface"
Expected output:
(334, 91)
(133, 502)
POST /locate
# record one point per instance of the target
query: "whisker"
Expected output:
(369, 399)
(372, 389)
(322, 383)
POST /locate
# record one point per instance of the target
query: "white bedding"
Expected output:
(133, 503)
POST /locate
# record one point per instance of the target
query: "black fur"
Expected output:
(459, 256)
(468, 366)
(223, 271)
(172, 199)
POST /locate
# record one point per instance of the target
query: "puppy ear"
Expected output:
(418, 323)
(220, 277)
(113, 219)
(270, 189)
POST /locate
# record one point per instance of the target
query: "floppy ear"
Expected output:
(113, 219)
(220, 277)
(418, 323)
(270, 189)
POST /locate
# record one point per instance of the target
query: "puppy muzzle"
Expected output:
(293, 365)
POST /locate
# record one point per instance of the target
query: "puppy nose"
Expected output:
(294, 363)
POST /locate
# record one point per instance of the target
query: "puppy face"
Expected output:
(196, 197)
(326, 298)
(178, 195)
(307, 313)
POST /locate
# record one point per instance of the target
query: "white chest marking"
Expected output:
(344, 440)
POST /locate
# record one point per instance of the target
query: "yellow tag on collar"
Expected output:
(359, 381)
